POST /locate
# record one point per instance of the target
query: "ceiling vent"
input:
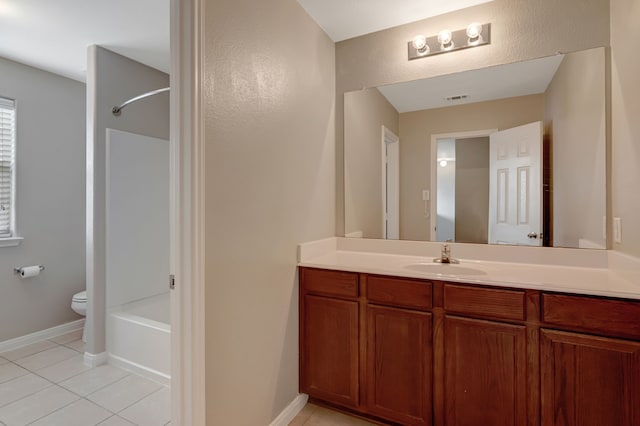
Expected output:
(456, 98)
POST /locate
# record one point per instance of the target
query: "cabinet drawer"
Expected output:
(330, 283)
(399, 292)
(608, 317)
(494, 303)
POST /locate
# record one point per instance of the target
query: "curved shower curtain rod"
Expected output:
(118, 109)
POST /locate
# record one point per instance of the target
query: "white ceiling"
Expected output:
(54, 35)
(499, 82)
(344, 19)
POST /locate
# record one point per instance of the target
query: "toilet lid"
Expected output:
(80, 297)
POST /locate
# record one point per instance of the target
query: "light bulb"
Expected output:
(444, 38)
(474, 30)
(443, 163)
(420, 44)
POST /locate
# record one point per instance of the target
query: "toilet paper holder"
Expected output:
(19, 270)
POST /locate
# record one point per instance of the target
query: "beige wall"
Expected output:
(50, 198)
(111, 80)
(365, 111)
(575, 120)
(472, 190)
(416, 129)
(520, 29)
(269, 82)
(625, 110)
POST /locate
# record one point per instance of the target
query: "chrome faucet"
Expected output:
(445, 254)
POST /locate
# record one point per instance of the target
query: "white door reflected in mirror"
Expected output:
(515, 191)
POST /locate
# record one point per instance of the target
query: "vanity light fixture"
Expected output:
(475, 34)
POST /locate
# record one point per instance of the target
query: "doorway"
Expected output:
(459, 186)
(493, 193)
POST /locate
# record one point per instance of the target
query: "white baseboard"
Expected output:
(94, 360)
(291, 410)
(49, 333)
(138, 369)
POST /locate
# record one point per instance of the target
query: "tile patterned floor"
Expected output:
(47, 384)
(313, 415)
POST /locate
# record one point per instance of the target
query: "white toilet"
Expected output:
(79, 306)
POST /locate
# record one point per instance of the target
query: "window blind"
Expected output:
(7, 164)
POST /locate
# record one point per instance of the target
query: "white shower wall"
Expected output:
(137, 217)
(138, 331)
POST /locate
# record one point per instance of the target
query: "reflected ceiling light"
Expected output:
(443, 163)
(475, 34)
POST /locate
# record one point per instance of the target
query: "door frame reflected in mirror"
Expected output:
(433, 208)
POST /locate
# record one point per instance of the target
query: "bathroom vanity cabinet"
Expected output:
(590, 371)
(421, 352)
(398, 349)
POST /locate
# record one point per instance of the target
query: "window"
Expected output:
(7, 166)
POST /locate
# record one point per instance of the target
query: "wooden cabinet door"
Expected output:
(485, 373)
(399, 365)
(329, 350)
(589, 380)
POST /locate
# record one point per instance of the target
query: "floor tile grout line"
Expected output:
(35, 353)
(98, 390)
(33, 371)
(17, 377)
(54, 411)
(112, 414)
(75, 375)
(101, 406)
(112, 383)
(73, 349)
(51, 381)
(28, 395)
(120, 417)
(108, 384)
(58, 343)
(146, 396)
(85, 396)
(42, 368)
(80, 397)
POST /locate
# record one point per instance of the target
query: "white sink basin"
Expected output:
(451, 269)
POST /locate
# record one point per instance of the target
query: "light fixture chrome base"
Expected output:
(459, 41)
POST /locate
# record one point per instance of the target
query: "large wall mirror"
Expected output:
(511, 154)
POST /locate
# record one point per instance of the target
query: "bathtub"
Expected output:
(139, 337)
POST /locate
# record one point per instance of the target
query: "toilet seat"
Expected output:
(80, 297)
(79, 306)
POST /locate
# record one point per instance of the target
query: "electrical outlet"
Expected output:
(617, 230)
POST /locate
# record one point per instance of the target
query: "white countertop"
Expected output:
(602, 280)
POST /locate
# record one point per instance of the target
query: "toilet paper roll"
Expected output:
(29, 271)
